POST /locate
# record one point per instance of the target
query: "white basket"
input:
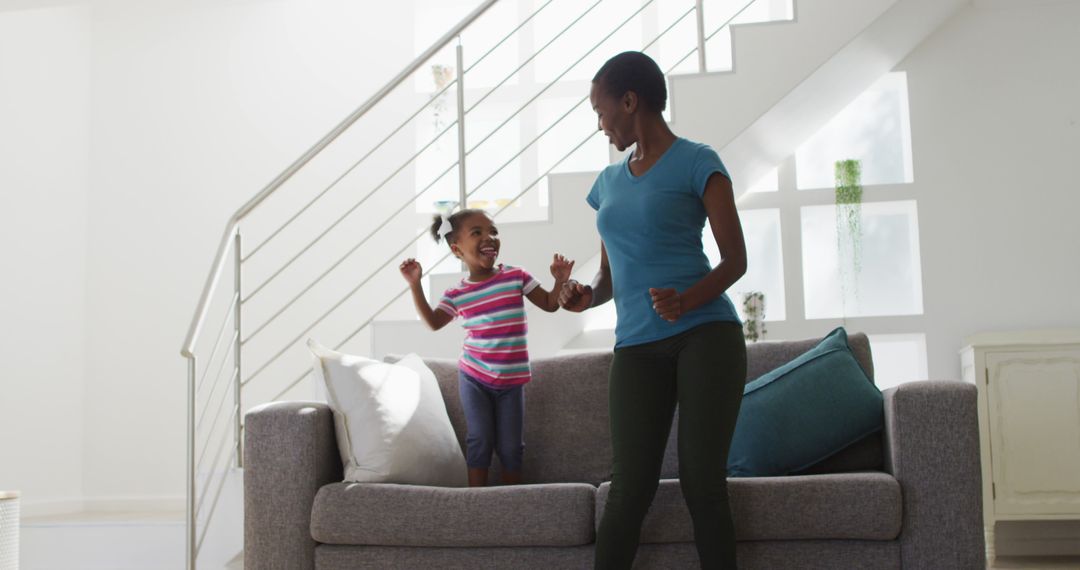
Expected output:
(9, 530)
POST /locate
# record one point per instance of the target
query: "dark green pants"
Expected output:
(703, 370)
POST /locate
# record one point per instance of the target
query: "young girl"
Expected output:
(494, 364)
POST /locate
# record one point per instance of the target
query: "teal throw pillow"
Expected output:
(804, 411)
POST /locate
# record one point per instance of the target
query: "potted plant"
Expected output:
(754, 313)
(442, 75)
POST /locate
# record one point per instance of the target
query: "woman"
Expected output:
(678, 339)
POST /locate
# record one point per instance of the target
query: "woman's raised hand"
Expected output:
(561, 268)
(575, 297)
(411, 271)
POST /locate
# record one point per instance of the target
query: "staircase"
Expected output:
(315, 253)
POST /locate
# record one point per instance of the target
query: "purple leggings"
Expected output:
(494, 418)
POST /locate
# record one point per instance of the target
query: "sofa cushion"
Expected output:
(861, 506)
(805, 411)
(559, 514)
(566, 417)
(761, 357)
(866, 454)
(390, 420)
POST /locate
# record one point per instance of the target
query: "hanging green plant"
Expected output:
(754, 311)
(849, 194)
(443, 75)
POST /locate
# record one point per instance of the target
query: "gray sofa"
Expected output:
(907, 498)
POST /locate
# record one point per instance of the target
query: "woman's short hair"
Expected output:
(637, 72)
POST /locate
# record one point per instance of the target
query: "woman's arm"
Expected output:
(719, 200)
(577, 297)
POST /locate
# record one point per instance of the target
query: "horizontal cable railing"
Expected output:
(408, 162)
(396, 130)
(217, 342)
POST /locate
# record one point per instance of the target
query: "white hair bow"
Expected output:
(444, 225)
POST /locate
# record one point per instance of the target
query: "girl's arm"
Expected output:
(435, 319)
(719, 202)
(549, 300)
(577, 297)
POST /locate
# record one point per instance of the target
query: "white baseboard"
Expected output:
(115, 504)
(135, 504)
(49, 507)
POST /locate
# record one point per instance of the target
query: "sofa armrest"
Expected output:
(932, 448)
(290, 452)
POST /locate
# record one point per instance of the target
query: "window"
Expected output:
(765, 263)
(874, 129)
(880, 293)
(889, 280)
(898, 358)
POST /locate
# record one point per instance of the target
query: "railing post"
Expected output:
(461, 125)
(189, 550)
(698, 4)
(238, 345)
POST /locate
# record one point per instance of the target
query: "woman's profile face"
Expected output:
(613, 116)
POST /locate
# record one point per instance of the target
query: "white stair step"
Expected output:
(759, 78)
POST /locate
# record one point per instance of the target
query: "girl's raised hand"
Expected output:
(411, 271)
(561, 268)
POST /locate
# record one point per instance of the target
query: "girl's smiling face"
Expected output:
(477, 243)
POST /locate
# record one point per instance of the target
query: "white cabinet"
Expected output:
(1029, 423)
(9, 530)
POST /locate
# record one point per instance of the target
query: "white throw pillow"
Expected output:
(390, 420)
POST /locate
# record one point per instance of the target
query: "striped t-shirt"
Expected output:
(493, 315)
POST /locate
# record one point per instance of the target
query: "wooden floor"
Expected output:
(1037, 562)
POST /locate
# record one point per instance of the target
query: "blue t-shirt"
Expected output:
(652, 226)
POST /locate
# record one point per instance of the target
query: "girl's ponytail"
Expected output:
(441, 227)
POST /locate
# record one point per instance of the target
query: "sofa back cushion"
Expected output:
(567, 436)
(566, 417)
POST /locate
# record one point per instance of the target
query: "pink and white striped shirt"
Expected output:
(493, 313)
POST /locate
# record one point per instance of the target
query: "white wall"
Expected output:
(995, 135)
(44, 147)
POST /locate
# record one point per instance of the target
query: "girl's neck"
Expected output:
(481, 274)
